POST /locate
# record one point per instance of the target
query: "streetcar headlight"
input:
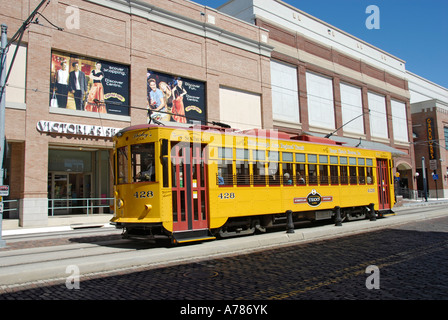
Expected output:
(120, 203)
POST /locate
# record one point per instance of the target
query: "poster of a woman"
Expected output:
(95, 100)
(172, 99)
(178, 109)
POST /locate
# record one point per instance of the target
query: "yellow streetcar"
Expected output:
(199, 183)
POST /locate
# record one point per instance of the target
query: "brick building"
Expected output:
(325, 80)
(290, 71)
(59, 138)
(429, 106)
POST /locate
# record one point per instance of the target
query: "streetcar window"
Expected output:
(300, 174)
(369, 162)
(273, 169)
(300, 157)
(369, 174)
(274, 174)
(353, 170)
(225, 153)
(242, 154)
(361, 161)
(225, 174)
(352, 175)
(287, 157)
(274, 179)
(143, 162)
(323, 170)
(312, 158)
(273, 156)
(344, 174)
(312, 173)
(258, 154)
(122, 165)
(225, 168)
(343, 170)
(287, 169)
(334, 176)
(361, 175)
(323, 159)
(334, 172)
(258, 169)
(242, 173)
(323, 174)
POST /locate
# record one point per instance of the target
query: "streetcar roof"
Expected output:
(268, 133)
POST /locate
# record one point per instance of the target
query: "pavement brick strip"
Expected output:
(46, 260)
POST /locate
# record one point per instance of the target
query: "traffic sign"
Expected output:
(433, 164)
(435, 176)
(4, 191)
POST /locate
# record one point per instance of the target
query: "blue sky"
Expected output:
(415, 31)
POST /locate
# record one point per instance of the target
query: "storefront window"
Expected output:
(69, 160)
(79, 180)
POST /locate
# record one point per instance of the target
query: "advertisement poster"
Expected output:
(175, 99)
(85, 84)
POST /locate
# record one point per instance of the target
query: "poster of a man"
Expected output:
(77, 85)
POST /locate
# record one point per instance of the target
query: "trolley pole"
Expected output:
(4, 42)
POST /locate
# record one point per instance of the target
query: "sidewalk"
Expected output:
(57, 224)
(406, 203)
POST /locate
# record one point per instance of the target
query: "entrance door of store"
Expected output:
(67, 192)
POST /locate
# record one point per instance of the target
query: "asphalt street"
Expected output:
(394, 258)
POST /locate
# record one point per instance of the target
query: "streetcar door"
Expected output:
(189, 192)
(383, 184)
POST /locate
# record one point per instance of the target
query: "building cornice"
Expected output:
(204, 29)
(346, 34)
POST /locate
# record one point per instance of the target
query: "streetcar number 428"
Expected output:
(144, 194)
(226, 195)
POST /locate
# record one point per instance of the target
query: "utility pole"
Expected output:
(4, 42)
(425, 192)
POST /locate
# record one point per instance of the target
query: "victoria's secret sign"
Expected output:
(76, 129)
